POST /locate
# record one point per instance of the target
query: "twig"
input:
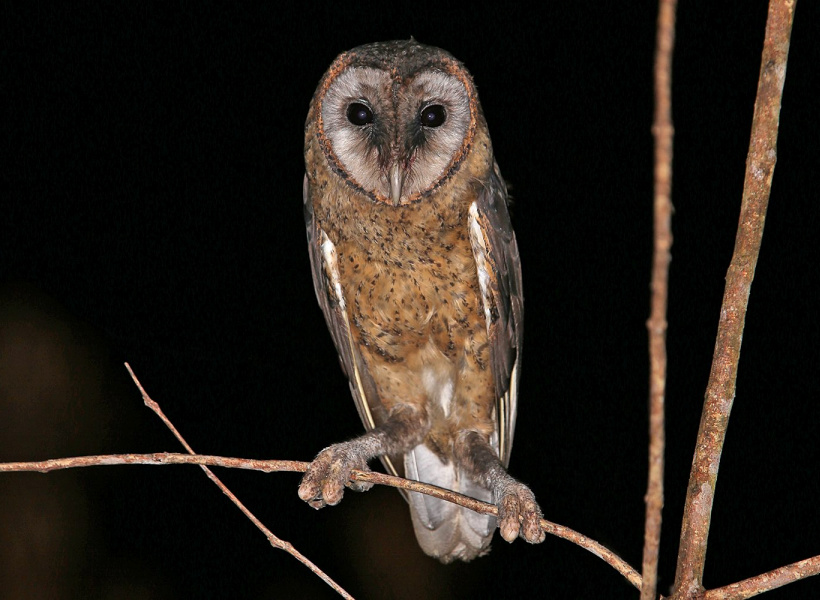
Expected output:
(560, 531)
(274, 541)
(656, 325)
(720, 392)
(767, 581)
(268, 466)
(155, 458)
(759, 584)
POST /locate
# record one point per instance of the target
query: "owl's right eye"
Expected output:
(359, 114)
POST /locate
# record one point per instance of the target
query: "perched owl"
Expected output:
(416, 268)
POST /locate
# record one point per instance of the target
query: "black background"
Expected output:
(151, 213)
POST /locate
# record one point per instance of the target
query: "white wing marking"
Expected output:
(480, 254)
(331, 260)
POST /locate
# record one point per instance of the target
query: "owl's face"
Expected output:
(395, 119)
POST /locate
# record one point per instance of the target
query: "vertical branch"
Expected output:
(663, 133)
(720, 391)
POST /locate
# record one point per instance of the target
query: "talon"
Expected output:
(359, 486)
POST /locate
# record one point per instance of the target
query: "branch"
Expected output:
(656, 325)
(767, 581)
(414, 486)
(274, 541)
(268, 466)
(742, 589)
(154, 458)
(720, 392)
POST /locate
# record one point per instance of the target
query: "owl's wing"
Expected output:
(331, 300)
(493, 237)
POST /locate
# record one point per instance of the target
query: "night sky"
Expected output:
(150, 189)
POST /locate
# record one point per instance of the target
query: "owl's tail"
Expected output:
(444, 530)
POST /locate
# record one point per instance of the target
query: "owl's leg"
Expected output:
(329, 473)
(518, 512)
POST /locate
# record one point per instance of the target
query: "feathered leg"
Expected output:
(518, 512)
(329, 473)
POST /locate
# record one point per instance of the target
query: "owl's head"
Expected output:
(395, 119)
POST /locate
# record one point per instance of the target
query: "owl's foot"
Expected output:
(325, 479)
(519, 513)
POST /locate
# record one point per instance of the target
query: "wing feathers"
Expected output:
(329, 293)
(499, 272)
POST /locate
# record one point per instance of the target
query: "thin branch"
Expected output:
(742, 589)
(274, 541)
(767, 581)
(166, 458)
(656, 325)
(720, 392)
(155, 458)
(560, 531)
(268, 466)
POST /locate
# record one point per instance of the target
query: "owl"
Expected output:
(416, 269)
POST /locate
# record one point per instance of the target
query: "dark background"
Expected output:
(151, 177)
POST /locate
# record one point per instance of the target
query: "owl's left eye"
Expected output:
(359, 114)
(433, 115)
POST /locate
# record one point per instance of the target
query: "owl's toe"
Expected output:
(519, 514)
(326, 477)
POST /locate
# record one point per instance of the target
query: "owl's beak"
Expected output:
(396, 182)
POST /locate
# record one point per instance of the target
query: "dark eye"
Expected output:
(359, 114)
(433, 115)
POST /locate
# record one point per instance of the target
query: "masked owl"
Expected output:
(416, 269)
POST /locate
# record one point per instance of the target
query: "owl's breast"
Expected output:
(409, 278)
